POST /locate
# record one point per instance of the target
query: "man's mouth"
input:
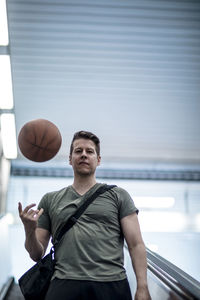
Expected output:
(83, 163)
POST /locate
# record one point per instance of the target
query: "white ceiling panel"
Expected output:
(127, 70)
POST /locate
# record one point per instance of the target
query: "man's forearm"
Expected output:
(139, 261)
(33, 246)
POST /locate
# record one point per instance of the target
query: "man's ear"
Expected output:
(98, 160)
(70, 159)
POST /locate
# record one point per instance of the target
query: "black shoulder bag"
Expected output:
(35, 282)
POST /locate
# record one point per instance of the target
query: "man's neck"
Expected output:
(83, 184)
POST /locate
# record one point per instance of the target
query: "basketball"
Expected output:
(39, 140)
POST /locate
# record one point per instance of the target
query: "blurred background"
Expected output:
(129, 71)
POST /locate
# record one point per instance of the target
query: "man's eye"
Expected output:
(78, 151)
(90, 151)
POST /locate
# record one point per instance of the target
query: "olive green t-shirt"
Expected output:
(93, 248)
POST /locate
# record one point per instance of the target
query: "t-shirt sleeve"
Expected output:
(126, 203)
(44, 220)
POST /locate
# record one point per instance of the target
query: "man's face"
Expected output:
(84, 158)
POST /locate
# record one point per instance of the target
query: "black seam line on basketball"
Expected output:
(51, 141)
(42, 148)
(43, 136)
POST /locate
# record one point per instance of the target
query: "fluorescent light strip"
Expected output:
(163, 221)
(154, 202)
(3, 24)
(197, 222)
(6, 92)
(8, 135)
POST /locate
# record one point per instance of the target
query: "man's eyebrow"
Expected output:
(80, 148)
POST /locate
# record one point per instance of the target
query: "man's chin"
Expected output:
(85, 173)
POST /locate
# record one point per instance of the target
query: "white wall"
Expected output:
(5, 251)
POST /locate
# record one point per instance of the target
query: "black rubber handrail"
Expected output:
(6, 288)
(182, 283)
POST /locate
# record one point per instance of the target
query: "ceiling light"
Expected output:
(158, 221)
(9, 219)
(197, 222)
(8, 135)
(3, 24)
(154, 202)
(6, 92)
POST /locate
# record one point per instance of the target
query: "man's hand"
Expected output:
(142, 293)
(29, 216)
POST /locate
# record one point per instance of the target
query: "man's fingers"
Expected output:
(37, 213)
(28, 212)
(40, 212)
(20, 207)
(26, 209)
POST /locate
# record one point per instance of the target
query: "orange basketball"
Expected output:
(39, 140)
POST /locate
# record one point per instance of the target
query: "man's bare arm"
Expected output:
(37, 239)
(133, 237)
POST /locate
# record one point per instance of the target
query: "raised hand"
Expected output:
(29, 216)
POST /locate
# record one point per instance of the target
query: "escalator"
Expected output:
(165, 281)
(14, 293)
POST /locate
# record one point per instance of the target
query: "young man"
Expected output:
(89, 260)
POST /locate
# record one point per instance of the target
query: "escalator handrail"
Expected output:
(177, 276)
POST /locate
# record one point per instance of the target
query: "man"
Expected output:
(89, 260)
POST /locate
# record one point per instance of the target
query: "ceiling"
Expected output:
(128, 71)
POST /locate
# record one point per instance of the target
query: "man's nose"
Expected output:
(84, 154)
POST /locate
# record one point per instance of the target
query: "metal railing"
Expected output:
(185, 286)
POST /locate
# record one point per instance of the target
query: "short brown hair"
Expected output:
(88, 136)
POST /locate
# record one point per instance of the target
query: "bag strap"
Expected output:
(74, 218)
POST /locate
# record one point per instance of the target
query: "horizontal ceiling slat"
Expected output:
(130, 17)
(157, 5)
